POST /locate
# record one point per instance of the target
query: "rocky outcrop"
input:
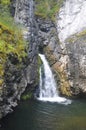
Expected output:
(71, 18)
(71, 32)
(76, 47)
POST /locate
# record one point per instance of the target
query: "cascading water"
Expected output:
(47, 86)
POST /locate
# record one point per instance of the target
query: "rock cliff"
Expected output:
(19, 73)
(63, 39)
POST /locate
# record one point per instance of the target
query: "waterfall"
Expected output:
(47, 86)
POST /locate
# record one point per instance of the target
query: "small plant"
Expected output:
(26, 96)
(47, 9)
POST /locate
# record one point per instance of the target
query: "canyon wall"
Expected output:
(64, 42)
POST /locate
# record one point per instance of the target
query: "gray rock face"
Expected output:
(76, 50)
(18, 76)
(71, 18)
(24, 14)
(71, 26)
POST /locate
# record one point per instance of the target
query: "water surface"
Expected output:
(37, 115)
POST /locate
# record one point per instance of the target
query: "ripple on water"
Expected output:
(37, 115)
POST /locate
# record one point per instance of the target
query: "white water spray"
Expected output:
(48, 91)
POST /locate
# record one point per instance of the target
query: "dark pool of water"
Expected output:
(36, 115)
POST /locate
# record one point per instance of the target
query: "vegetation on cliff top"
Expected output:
(5, 2)
(11, 39)
(47, 9)
(76, 36)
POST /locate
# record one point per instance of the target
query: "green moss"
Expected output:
(1, 82)
(26, 96)
(39, 61)
(47, 9)
(82, 33)
(5, 2)
(11, 41)
(76, 36)
(38, 69)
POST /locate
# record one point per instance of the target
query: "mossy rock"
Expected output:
(11, 42)
(76, 37)
(1, 82)
(64, 83)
